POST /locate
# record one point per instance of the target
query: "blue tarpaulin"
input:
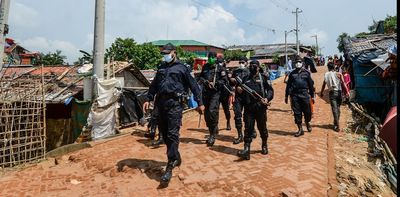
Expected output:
(368, 88)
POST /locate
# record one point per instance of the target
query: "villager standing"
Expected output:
(212, 77)
(334, 81)
(226, 93)
(255, 108)
(172, 80)
(300, 88)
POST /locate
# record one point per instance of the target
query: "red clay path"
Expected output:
(294, 166)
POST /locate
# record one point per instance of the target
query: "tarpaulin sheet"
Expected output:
(369, 88)
(79, 114)
(131, 106)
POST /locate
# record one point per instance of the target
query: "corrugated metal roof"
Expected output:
(260, 46)
(355, 46)
(14, 72)
(64, 81)
(182, 43)
(179, 43)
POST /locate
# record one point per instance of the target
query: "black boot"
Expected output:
(239, 138)
(151, 134)
(264, 147)
(166, 177)
(159, 141)
(309, 128)
(245, 153)
(228, 125)
(300, 132)
(211, 138)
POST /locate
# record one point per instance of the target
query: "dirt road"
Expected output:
(294, 166)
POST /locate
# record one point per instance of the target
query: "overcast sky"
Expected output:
(67, 25)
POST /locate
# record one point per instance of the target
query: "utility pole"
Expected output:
(316, 44)
(98, 46)
(4, 9)
(286, 58)
(297, 30)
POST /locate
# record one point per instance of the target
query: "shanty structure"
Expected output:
(22, 120)
(368, 84)
(66, 111)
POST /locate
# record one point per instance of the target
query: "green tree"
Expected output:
(234, 54)
(144, 56)
(362, 35)
(275, 58)
(185, 56)
(340, 41)
(121, 49)
(147, 56)
(52, 58)
(390, 24)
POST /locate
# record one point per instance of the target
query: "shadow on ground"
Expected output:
(153, 169)
(280, 110)
(325, 126)
(284, 133)
(198, 129)
(224, 149)
(187, 140)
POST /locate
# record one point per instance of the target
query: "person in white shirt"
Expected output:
(333, 80)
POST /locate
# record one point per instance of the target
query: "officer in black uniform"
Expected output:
(171, 81)
(226, 93)
(212, 77)
(241, 72)
(299, 87)
(255, 108)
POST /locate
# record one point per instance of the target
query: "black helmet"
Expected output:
(255, 62)
(168, 48)
(243, 59)
(298, 59)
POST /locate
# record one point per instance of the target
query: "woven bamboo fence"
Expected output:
(22, 121)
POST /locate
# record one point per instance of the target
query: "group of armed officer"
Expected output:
(249, 86)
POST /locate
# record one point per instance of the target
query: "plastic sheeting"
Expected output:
(79, 114)
(131, 102)
(107, 93)
(103, 114)
(102, 121)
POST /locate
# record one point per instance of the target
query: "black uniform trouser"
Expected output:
(211, 112)
(252, 114)
(238, 110)
(335, 98)
(169, 123)
(224, 100)
(301, 105)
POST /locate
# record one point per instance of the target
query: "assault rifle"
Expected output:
(249, 90)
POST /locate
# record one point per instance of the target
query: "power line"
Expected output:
(273, 30)
(279, 6)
